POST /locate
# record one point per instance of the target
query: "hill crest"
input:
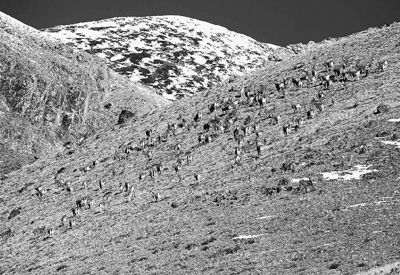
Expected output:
(176, 55)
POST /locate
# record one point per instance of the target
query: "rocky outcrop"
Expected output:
(50, 93)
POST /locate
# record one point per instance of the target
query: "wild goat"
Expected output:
(286, 129)
(201, 138)
(320, 106)
(177, 167)
(197, 177)
(275, 119)
(152, 173)
(183, 124)
(149, 155)
(238, 160)
(126, 186)
(81, 202)
(355, 74)
(383, 65)
(189, 159)
(90, 202)
(100, 184)
(64, 220)
(142, 144)
(305, 186)
(69, 187)
(262, 101)
(364, 69)
(236, 133)
(296, 106)
(310, 114)
(240, 140)
(250, 100)
(156, 196)
(141, 177)
(238, 151)
(297, 122)
(198, 117)
(159, 168)
(329, 65)
(314, 76)
(40, 191)
(256, 127)
(280, 86)
(75, 211)
(259, 150)
(246, 130)
(326, 81)
(121, 187)
(213, 107)
(72, 223)
(297, 82)
(327, 84)
(131, 193)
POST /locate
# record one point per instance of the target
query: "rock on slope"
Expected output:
(50, 94)
(253, 217)
(175, 54)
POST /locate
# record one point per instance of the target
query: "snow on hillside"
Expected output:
(174, 54)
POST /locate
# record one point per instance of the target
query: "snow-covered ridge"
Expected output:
(174, 54)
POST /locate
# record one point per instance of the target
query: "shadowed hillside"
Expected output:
(289, 170)
(50, 95)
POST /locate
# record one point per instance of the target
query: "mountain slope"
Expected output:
(50, 94)
(174, 54)
(260, 216)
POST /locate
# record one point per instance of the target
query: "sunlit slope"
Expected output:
(319, 197)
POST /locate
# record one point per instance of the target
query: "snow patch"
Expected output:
(243, 237)
(266, 217)
(354, 173)
(102, 55)
(199, 59)
(273, 46)
(298, 180)
(385, 269)
(168, 96)
(357, 205)
(374, 203)
(117, 57)
(389, 142)
(394, 120)
(88, 33)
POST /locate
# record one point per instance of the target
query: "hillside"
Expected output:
(320, 197)
(176, 55)
(51, 94)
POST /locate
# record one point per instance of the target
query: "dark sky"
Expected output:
(279, 22)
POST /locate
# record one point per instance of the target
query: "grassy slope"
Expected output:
(317, 232)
